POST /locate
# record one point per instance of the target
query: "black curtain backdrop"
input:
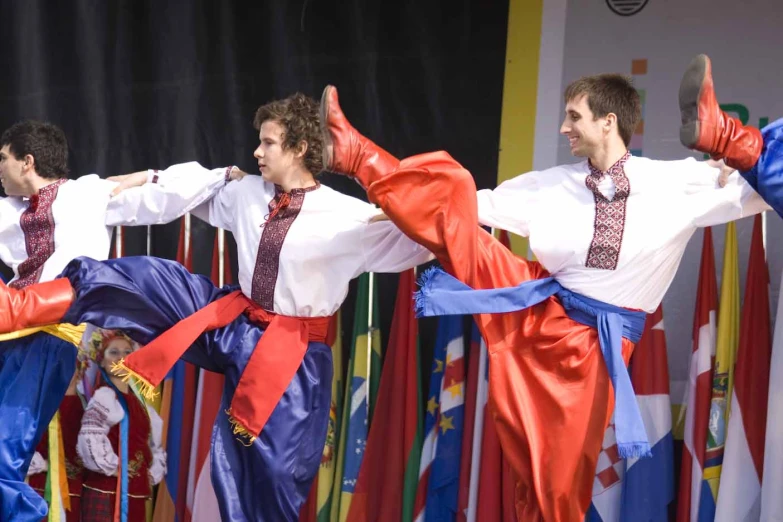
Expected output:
(138, 84)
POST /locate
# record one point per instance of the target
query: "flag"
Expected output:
(438, 487)
(648, 488)
(356, 406)
(723, 372)
(640, 490)
(490, 501)
(487, 483)
(739, 498)
(376, 351)
(692, 487)
(179, 393)
(608, 483)
(387, 481)
(201, 500)
(470, 433)
(491, 484)
(771, 499)
(324, 482)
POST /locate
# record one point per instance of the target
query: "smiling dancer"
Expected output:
(609, 233)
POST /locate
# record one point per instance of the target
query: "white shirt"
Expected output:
(93, 446)
(82, 213)
(330, 241)
(668, 201)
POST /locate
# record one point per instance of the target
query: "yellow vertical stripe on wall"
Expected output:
(518, 116)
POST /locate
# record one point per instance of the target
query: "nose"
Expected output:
(257, 153)
(565, 128)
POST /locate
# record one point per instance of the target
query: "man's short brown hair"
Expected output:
(299, 116)
(607, 93)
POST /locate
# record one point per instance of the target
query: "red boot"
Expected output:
(345, 151)
(708, 129)
(37, 305)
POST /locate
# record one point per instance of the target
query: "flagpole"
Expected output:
(186, 249)
(478, 433)
(370, 290)
(118, 242)
(221, 240)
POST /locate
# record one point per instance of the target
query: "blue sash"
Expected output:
(442, 294)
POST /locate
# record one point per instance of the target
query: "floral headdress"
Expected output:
(92, 349)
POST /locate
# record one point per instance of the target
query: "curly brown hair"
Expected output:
(299, 116)
(43, 141)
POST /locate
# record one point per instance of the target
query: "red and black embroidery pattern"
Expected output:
(609, 224)
(37, 224)
(283, 210)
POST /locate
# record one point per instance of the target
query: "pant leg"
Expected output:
(549, 387)
(432, 198)
(552, 401)
(34, 374)
(269, 480)
(766, 177)
(144, 296)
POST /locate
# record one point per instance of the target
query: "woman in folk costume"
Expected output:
(608, 232)
(299, 245)
(46, 220)
(119, 441)
(66, 424)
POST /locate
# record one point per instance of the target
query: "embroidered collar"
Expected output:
(614, 170)
(279, 190)
(46, 191)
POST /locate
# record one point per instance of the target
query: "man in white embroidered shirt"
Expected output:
(608, 233)
(299, 245)
(46, 221)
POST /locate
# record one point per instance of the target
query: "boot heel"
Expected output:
(689, 134)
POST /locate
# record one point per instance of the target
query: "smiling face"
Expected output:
(586, 134)
(277, 163)
(12, 173)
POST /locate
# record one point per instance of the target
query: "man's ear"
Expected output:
(611, 120)
(301, 149)
(28, 162)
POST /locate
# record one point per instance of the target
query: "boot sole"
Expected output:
(328, 146)
(690, 91)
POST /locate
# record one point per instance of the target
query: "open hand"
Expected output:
(236, 174)
(725, 171)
